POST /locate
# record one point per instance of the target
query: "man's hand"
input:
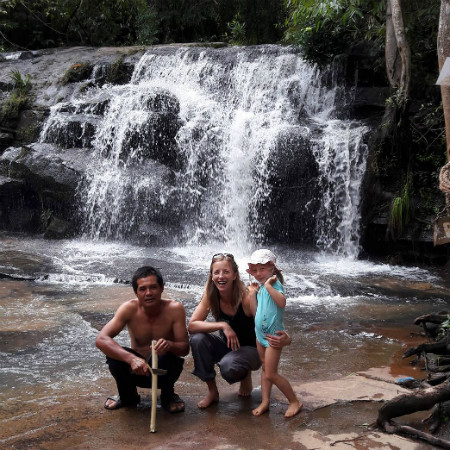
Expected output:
(162, 346)
(279, 339)
(139, 366)
(232, 339)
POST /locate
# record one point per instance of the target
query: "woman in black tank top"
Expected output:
(229, 341)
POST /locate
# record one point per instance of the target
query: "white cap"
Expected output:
(262, 256)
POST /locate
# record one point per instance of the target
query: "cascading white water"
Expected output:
(215, 180)
(341, 156)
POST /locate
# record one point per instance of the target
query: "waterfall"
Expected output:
(237, 145)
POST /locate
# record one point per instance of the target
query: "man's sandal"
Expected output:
(114, 398)
(173, 404)
(118, 402)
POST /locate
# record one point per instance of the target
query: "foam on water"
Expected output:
(352, 268)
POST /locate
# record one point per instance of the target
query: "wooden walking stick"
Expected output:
(154, 372)
(154, 388)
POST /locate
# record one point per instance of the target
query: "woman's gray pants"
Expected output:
(209, 349)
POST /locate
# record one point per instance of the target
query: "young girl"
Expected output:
(267, 301)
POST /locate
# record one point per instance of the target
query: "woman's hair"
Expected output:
(211, 291)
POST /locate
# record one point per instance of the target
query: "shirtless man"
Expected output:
(148, 317)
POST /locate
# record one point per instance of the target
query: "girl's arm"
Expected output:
(277, 296)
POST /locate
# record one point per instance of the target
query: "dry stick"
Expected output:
(154, 389)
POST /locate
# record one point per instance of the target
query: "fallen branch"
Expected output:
(432, 318)
(412, 402)
(443, 348)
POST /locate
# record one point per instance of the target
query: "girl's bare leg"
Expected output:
(272, 358)
(246, 386)
(266, 385)
(211, 397)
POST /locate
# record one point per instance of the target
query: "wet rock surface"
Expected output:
(55, 400)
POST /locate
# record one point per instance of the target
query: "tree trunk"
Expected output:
(443, 49)
(392, 56)
(403, 50)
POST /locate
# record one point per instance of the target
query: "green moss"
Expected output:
(77, 72)
(116, 71)
(24, 151)
(19, 97)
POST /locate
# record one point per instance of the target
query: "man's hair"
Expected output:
(143, 272)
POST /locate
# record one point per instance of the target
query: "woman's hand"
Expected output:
(253, 288)
(279, 339)
(232, 339)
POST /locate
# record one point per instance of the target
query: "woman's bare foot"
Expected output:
(211, 397)
(261, 409)
(294, 409)
(246, 386)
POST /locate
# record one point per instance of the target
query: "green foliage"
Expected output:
(396, 100)
(19, 97)
(429, 154)
(185, 20)
(20, 84)
(402, 211)
(444, 328)
(50, 23)
(237, 31)
(324, 28)
(117, 73)
(147, 26)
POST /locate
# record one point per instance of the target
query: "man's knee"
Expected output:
(116, 366)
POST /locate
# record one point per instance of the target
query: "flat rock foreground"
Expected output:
(65, 411)
(336, 415)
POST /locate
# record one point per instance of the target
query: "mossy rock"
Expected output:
(29, 126)
(119, 72)
(77, 72)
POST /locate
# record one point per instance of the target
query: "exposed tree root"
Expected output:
(429, 394)
(404, 430)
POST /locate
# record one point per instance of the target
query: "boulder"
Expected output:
(293, 203)
(40, 167)
(72, 131)
(58, 229)
(6, 140)
(35, 183)
(155, 139)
